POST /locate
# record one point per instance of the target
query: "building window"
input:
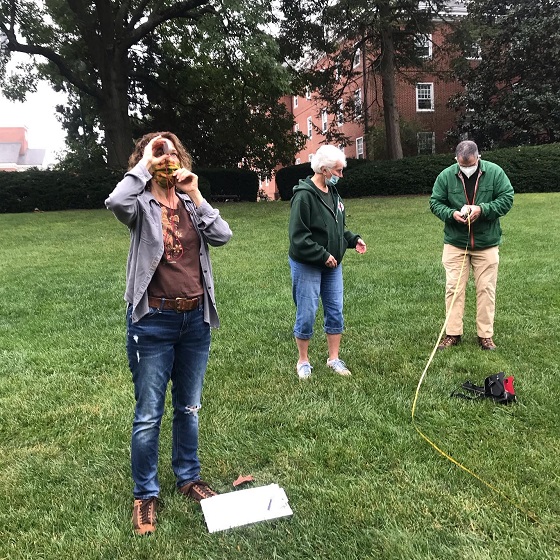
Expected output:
(298, 161)
(307, 93)
(309, 157)
(424, 46)
(425, 97)
(324, 120)
(340, 112)
(296, 127)
(295, 100)
(309, 127)
(473, 52)
(360, 148)
(426, 143)
(358, 103)
(357, 58)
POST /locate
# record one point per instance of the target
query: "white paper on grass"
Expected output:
(242, 507)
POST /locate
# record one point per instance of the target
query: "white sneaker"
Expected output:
(304, 370)
(339, 367)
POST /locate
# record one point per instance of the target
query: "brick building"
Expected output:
(15, 154)
(421, 100)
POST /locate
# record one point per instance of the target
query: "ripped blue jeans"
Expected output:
(163, 346)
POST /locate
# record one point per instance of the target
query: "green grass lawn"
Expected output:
(361, 482)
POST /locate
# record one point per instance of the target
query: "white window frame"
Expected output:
(357, 60)
(309, 127)
(307, 93)
(340, 113)
(310, 157)
(423, 140)
(423, 41)
(296, 101)
(296, 127)
(424, 87)
(358, 108)
(474, 50)
(298, 161)
(360, 148)
(324, 120)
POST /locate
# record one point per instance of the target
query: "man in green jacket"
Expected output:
(469, 197)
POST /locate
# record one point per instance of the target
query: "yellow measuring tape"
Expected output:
(531, 516)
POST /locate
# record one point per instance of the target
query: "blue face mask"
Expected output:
(332, 181)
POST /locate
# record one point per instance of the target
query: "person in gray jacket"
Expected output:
(171, 309)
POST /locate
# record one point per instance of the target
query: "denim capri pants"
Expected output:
(308, 283)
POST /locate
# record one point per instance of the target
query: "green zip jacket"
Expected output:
(315, 230)
(493, 193)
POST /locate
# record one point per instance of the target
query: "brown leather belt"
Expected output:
(179, 304)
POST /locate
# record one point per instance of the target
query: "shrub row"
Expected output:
(59, 190)
(288, 177)
(530, 169)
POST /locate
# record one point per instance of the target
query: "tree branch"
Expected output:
(192, 9)
(15, 46)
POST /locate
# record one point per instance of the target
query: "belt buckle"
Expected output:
(180, 304)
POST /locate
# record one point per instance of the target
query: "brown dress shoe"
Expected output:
(449, 340)
(197, 490)
(486, 343)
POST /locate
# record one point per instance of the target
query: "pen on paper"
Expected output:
(269, 504)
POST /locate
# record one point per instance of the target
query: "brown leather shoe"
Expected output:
(144, 516)
(486, 343)
(449, 340)
(197, 490)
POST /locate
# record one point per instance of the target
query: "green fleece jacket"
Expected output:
(493, 193)
(315, 230)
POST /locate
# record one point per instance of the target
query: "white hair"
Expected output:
(327, 157)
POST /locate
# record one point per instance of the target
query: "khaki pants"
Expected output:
(484, 263)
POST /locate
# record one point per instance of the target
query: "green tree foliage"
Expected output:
(512, 94)
(384, 34)
(202, 68)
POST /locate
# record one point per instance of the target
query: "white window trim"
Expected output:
(340, 113)
(324, 120)
(475, 47)
(360, 142)
(296, 102)
(431, 109)
(357, 59)
(427, 38)
(309, 127)
(358, 105)
(307, 93)
(296, 127)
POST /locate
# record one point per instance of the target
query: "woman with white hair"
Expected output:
(318, 241)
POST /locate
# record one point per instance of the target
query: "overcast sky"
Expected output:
(39, 116)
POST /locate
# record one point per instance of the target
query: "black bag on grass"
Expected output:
(496, 387)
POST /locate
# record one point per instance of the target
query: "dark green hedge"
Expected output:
(55, 190)
(58, 190)
(240, 184)
(530, 169)
(288, 177)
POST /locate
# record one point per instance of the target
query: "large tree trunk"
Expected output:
(390, 112)
(113, 114)
(113, 107)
